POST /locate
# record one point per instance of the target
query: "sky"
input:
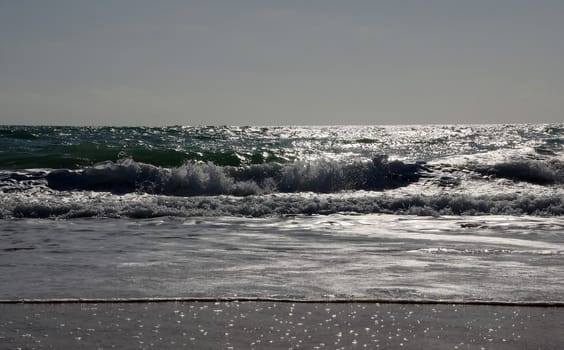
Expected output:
(267, 62)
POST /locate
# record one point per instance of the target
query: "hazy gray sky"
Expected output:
(132, 62)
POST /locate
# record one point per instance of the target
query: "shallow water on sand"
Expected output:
(503, 258)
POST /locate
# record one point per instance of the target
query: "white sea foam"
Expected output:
(438, 212)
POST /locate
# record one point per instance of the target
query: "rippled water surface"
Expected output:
(455, 212)
(335, 256)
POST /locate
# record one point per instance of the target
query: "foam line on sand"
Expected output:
(282, 300)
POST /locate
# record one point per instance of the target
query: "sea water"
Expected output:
(434, 212)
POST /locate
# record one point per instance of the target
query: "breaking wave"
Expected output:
(540, 172)
(146, 206)
(320, 176)
(194, 179)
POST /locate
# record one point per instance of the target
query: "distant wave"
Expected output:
(58, 147)
(18, 133)
(87, 154)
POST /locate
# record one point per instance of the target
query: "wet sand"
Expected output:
(278, 325)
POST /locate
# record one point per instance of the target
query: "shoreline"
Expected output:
(516, 303)
(279, 325)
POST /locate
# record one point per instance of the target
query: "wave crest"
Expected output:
(192, 179)
(540, 172)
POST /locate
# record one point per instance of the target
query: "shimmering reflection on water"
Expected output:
(344, 256)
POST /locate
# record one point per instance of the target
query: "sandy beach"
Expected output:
(278, 325)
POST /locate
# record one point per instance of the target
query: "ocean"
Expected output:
(422, 212)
